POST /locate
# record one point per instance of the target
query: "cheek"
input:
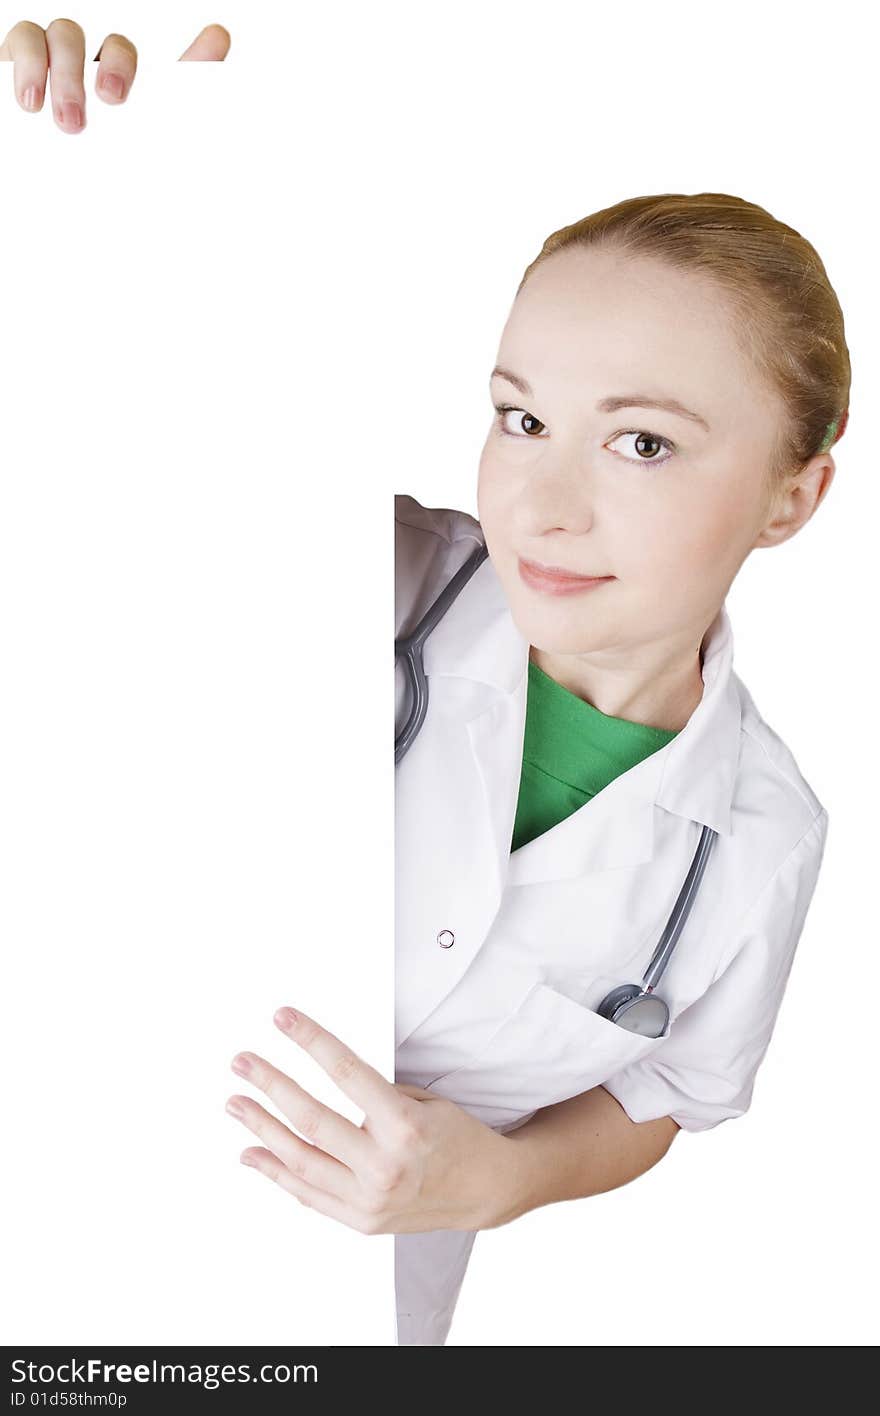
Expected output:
(494, 494)
(509, 484)
(702, 534)
(715, 535)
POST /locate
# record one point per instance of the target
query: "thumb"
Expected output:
(212, 43)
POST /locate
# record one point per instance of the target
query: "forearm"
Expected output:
(582, 1146)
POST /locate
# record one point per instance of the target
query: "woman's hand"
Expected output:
(416, 1162)
(59, 50)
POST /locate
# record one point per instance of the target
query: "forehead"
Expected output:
(608, 321)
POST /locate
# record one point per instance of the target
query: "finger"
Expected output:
(212, 43)
(372, 1092)
(116, 68)
(270, 1166)
(305, 1162)
(335, 1134)
(420, 1093)
(67, 56)
(25, 45)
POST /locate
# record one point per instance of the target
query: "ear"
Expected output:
(795, 503)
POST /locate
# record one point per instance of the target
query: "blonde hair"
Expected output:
(784, 309)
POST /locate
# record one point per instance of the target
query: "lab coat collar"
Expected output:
(693, 776)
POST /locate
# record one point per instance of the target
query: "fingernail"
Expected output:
(31, 98)
(241, 1064)
(234, 1107)
(71, 115)
(285, 1018)
(113, 85)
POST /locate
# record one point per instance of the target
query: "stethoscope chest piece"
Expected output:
(635, 1010)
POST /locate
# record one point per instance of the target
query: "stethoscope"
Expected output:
(634, 1006)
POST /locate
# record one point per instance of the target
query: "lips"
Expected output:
(557, 580)
(558, 572)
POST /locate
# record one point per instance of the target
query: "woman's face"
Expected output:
(667, 503)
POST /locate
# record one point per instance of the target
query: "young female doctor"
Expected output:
(669, 381)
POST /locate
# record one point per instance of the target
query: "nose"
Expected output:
(558, 496)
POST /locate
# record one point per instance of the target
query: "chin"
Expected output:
(575, 635)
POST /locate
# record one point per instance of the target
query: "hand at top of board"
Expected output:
(58, 51)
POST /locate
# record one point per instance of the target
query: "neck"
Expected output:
(656, 687)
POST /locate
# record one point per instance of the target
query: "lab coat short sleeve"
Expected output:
(704, 1071)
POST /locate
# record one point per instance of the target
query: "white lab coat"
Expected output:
(503, 1021)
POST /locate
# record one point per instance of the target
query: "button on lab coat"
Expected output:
(501, 958)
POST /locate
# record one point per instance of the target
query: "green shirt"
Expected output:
(570, 752)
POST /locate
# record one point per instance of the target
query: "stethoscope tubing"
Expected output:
(411, 647)
(680, 910)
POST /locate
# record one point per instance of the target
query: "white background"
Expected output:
(237, 315)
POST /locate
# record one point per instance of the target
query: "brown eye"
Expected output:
(526, 425)
(646, 444)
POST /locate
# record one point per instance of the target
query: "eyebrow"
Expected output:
(613, 401)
